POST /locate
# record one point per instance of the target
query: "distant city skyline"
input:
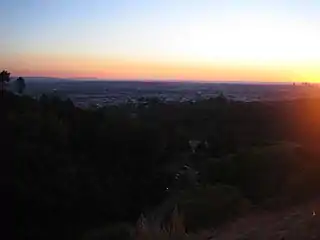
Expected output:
(262, 41)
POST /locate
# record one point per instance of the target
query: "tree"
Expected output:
(20, 85)
(4, 79)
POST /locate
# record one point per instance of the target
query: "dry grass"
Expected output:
(153, 229)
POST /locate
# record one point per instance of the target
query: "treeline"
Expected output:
(77, 169)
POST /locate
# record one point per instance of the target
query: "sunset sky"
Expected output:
(273, 40)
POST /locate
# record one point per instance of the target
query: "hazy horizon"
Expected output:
(232, 41)
(93, 79)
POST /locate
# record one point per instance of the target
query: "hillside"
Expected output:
(216, 160)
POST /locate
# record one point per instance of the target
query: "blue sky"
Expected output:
(193, 31)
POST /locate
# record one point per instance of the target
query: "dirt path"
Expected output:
(296, 223)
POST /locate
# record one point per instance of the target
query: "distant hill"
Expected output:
(41, 79)
(55, 79)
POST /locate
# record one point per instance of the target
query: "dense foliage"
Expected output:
(77, 169)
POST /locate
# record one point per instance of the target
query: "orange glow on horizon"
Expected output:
(113, 68)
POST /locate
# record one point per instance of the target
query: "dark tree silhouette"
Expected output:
(20, 85)
(4, 79)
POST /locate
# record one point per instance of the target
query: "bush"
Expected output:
(206, 207)
(120, 231)
(259, 173)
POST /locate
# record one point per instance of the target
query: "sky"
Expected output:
(207, 40)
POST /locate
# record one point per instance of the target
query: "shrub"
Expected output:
(120, 231)
(206, 207)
